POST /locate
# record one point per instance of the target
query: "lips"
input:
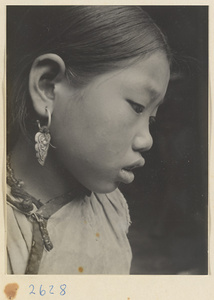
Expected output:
(126, 175)
(137, 164)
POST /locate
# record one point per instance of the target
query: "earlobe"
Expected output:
(46, 73)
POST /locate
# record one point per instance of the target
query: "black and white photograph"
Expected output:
(107, 140)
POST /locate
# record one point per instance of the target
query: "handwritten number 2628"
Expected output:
(42, 291)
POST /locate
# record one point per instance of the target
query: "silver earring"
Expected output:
(42, 139)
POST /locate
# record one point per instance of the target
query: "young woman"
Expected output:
(84, 82)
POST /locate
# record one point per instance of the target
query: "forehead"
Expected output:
(149, 74)
(146, 76)
(150, 71)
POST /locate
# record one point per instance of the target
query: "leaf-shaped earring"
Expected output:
(42, 139)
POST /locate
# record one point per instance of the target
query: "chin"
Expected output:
(104, 188)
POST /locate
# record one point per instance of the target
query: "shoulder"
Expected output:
(118, 204)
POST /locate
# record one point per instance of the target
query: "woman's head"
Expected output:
(91, 40)
(102, 71)
(101, 130)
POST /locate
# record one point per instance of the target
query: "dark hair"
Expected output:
(90, 39)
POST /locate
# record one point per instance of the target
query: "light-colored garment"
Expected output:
(89, 236)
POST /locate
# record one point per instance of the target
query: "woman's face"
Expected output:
(101, 131)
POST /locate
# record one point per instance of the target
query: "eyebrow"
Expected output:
(148, 88)
(152, 92)
(155, 95)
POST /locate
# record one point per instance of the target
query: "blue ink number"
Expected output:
(32, 292)
(51, 287)
(41, 291)
(62, 287)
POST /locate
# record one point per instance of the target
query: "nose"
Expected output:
(143, 141)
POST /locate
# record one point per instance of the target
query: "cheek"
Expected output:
(92, 144)
(94, 132)
(101, 144)
(112, 136)
(106, 126)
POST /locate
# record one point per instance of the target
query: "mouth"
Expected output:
(138, 164)
(126, 175)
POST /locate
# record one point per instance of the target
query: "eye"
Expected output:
(152, 120)
(138, 108)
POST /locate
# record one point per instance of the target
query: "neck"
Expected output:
(42, 182)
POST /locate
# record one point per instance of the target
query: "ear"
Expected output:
(46, 73)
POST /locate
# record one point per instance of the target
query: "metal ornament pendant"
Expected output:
(42, 140)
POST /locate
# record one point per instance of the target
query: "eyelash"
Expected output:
(138, 108)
